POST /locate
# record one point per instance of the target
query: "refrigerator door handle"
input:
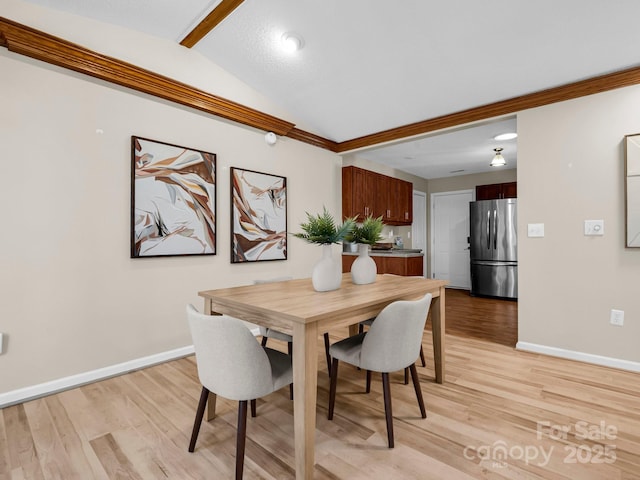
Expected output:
(488, 230)
(495, 229)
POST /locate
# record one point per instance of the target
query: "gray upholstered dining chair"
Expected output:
(392, 343)
(369, 321)
(232, 364)
(268, 333)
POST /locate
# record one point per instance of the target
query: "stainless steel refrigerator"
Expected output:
(494, 248)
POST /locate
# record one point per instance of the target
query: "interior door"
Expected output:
(450, 237)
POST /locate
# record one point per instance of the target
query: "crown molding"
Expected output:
(48, 48)
(590, 86)
(312, 139)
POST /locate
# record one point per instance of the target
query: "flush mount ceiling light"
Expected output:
(505, 136)
(498, 159)
(291, 42)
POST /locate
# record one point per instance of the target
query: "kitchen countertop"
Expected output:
(405, 253)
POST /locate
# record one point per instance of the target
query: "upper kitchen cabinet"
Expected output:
(497, 190)
(404, 202)
(367, 193)
(358, 192)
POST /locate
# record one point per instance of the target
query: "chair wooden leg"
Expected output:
(204, 395)
(406, 370)
(361, 330)
(241, 438)
(253, 408)
(332, 387)
(368, 389)
(416, 386)
(326, 352)
(387, 407)
(264, 341)
(290, 350)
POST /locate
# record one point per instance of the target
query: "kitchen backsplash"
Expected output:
(389, 233)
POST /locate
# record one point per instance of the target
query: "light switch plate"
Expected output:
(594, 227)
(535, 230)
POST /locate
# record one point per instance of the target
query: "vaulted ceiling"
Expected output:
(368, 68)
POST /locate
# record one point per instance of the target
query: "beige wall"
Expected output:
(570, 169)
(72, 299)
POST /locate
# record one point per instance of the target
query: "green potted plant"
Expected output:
(323, 230)
(368, 232)
(364, 270)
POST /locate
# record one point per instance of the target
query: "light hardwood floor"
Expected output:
(501, 414)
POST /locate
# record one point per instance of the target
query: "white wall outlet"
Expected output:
(1, 343)
(617, 317)
(594, 227)
(535, 230)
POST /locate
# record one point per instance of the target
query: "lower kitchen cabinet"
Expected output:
(397, 265)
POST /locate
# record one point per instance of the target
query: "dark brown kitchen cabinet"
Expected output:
(397, 265)
(358, 189)
(497, 190)
(367, 193)
(404, 202)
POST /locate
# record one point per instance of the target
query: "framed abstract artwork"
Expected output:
(258, 216)
(632, 190)
(173, 200)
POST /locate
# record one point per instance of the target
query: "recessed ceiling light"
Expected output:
(506, 136)
(292, 42)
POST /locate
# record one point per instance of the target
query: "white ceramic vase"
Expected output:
(327, 273)
(363, 270)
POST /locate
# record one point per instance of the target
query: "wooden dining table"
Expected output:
(295, 307)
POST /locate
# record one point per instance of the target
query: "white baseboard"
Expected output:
(54, 386)
(580, 356)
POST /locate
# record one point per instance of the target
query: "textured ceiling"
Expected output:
(369, 65)
(461, 151)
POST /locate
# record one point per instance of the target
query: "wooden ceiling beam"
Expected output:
(211, 21)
